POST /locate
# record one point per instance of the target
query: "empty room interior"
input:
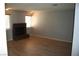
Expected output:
(39, 29)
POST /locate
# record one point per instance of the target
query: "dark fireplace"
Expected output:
(19, 31)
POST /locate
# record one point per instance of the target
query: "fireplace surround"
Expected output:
(19, 31)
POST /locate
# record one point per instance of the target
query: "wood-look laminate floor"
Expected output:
(35, 46)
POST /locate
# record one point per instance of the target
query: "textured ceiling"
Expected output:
(40, 6)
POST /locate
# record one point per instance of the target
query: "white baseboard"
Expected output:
(51, 38)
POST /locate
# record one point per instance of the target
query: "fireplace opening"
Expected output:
(19, 31)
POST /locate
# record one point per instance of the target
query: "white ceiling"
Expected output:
(40, 6)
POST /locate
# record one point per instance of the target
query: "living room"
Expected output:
(49, 31)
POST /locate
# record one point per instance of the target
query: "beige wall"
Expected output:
(53, 24)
